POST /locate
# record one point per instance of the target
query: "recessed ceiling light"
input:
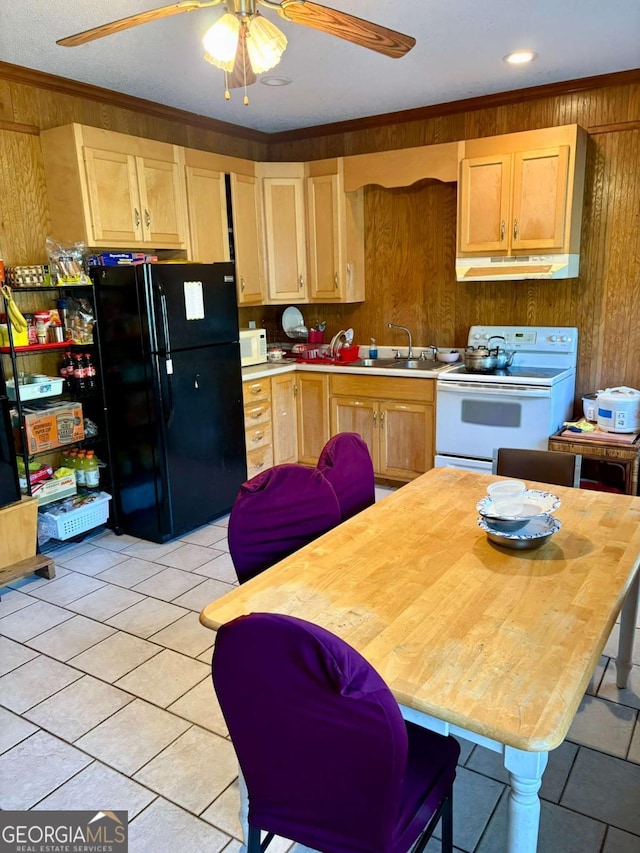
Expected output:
(275, 81)
(520, 57)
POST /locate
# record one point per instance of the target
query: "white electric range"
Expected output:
(520, 406)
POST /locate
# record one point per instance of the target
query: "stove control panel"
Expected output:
(538, 339)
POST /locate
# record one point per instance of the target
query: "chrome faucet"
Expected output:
(404, 329)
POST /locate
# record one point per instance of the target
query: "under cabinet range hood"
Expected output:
(517, 268)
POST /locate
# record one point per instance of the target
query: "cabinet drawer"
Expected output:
(259, 460)
(256, 389)
(256, 415)
(259, 436)
(383, 387)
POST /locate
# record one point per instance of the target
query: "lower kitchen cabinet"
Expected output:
(395, 417)
(313, 415)
(256, 394)
(284, 418)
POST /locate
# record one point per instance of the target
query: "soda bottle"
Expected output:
(89, 372)
(91, 471)
(81, 479)
(67, 371)
(80, 382)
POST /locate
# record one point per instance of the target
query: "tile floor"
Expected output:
(106, 702)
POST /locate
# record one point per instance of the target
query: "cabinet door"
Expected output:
(324, 239)
(406, 439)
(483, 210)
(285, 233)
(285, 418)
(247, 236)
(163, 215)
(114, 202)
(349, 414)
(207, 209)
(539, 198)
(313, 415)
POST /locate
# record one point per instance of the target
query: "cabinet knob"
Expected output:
(242, 283)
(375, 417)
(147, 218)
(301, 280)
(381, 420)
(515, 229)
(336, 279)
(137, 217)
(502, 231)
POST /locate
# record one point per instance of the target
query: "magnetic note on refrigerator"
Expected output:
(193, 300)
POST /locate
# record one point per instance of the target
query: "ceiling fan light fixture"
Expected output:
(221, 42)
(520, 57)
(265, 44)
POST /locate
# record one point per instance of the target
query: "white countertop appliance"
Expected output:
(618, 409)
(253, 346)
(520, 406)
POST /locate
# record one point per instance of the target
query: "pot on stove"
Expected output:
(504, 357)
(480, 359)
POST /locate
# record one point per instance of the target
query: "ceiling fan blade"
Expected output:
(356, 30)
(242, 74)
(134, 21)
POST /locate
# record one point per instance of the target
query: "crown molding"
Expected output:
(499, 99)
(41, 79)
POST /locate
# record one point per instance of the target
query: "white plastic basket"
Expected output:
(36, 390)
(76, 521)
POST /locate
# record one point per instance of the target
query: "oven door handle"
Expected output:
(472, 388)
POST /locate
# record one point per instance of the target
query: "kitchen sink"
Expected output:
(401, 363)
(376, 362)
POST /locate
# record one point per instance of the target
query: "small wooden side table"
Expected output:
(601, 450)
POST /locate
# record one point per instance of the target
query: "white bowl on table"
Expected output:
(448, 357)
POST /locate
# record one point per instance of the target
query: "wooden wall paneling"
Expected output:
(24, 220)
(621, 291)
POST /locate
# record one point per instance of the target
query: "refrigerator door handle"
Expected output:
(168, 361)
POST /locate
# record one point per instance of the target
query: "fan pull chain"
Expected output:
(227, 93)
(244, 73)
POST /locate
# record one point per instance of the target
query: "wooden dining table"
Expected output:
(492, 644)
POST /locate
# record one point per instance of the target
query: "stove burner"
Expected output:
(519, 372)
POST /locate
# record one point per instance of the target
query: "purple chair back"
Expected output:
(318, 734)
(277, 512)
(346, 463)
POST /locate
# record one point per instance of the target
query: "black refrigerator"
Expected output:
(9, 488)
(170, 363)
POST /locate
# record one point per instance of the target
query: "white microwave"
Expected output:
(253, 346)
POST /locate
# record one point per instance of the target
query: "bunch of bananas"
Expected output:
(13, 312)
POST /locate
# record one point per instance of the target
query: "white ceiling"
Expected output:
(458, 55)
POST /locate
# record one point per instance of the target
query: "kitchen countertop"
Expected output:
(259, 371)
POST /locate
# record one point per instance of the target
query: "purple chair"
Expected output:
(328, 760)
(346, 463)
(275, 513)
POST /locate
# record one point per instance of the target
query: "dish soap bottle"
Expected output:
(373, 348)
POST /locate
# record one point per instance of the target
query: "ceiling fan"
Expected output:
(245, 43)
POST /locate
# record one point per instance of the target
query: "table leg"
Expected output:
(525, 775)
(628, 619)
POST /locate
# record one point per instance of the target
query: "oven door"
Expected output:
(473, 418)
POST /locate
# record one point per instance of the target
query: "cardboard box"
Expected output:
(53, 426)
(48, 491)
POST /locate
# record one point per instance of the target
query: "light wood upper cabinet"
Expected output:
(522, 193)
(246, 203)
(206, 182)
(285, 231)
(207, 207)
(112, 190)
(510, 202)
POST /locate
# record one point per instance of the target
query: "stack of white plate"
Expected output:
(530, 529)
